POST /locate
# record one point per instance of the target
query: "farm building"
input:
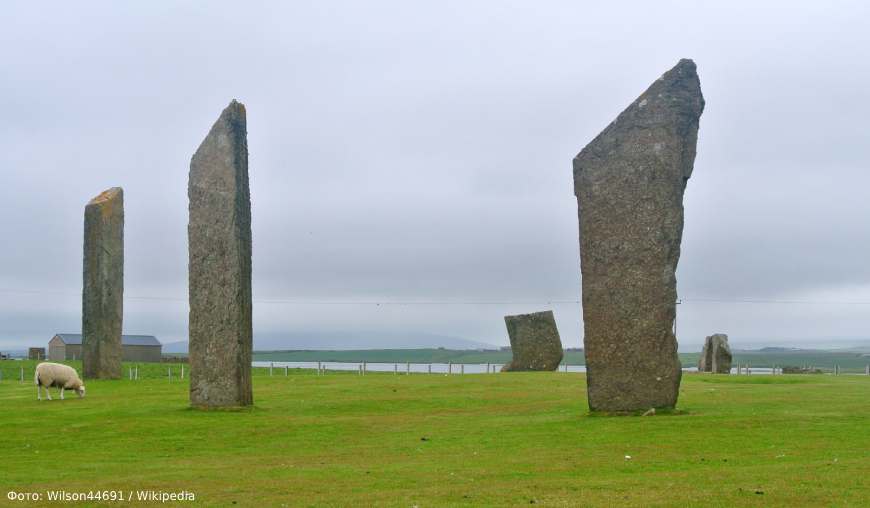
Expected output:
(135, 348)
(36, 353)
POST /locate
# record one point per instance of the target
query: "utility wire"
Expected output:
(303, 301)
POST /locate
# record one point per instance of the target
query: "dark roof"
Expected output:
(127, 340)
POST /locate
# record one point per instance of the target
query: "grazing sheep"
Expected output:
(54, 374)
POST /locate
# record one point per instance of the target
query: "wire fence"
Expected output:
(22, 371)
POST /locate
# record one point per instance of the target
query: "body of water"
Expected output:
(436, 368)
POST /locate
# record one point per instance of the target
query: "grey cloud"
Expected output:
(404, 151)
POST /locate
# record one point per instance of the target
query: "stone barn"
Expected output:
(36, 353)
(136, 348)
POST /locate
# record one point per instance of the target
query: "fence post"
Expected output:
(136, 372)
(271, 365)
(407, 368)
(169, 373)
(395, 368)
(450, 367)
(182, 371)
(131, 373)
(365, 367)
(22, 374)
(285, 371)
(318, 368)
(867, 370)
(430, 368)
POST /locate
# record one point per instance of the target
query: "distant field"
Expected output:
(848, 362)
(433, 440)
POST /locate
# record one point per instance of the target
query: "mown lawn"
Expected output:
(433, 440)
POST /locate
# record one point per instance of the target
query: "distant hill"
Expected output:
(338, 340)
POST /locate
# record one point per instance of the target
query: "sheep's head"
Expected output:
(81, 391)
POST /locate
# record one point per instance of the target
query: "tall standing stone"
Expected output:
(103, 288)
(629, 183)
(535, 342)
(716, 355)
(219, 236)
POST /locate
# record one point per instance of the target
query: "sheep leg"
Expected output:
(47, 393)
(38, 391)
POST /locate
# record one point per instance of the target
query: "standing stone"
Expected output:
(535, 342)
(103, 288)
(629, 183)
(219, 236)
(716, 355)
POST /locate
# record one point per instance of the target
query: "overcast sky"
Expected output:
(421, 152)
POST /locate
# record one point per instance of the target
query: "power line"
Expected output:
(764, 300)
(552, 301)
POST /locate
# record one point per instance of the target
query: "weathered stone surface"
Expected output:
(716, 355)
(103, 289)
(629, 183)
(535, 342)
(219, 236)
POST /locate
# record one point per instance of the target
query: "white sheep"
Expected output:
(54, 374)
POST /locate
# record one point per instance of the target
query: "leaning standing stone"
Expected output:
(535, 342)
(629, 183)
(219, 237)
(103, 288)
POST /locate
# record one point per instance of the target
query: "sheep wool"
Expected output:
(61, 376)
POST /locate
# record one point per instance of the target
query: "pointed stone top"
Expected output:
(227, 137)
(235, 110)
(673, 103)
(107, 195)
(233, 116)
(233, 120)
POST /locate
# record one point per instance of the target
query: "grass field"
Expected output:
(432, 440)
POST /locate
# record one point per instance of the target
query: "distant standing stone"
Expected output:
(629, 183)
(103, 287)
(716, 355)
(535, 342)
(219, 237)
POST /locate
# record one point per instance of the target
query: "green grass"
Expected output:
(433, 440)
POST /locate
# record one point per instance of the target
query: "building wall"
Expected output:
(58, 352)
(142, 353)
(73, 351)
(56, 349)
(36, 353)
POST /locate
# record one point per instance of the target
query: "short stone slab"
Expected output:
(716, 355)
(535, 342)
